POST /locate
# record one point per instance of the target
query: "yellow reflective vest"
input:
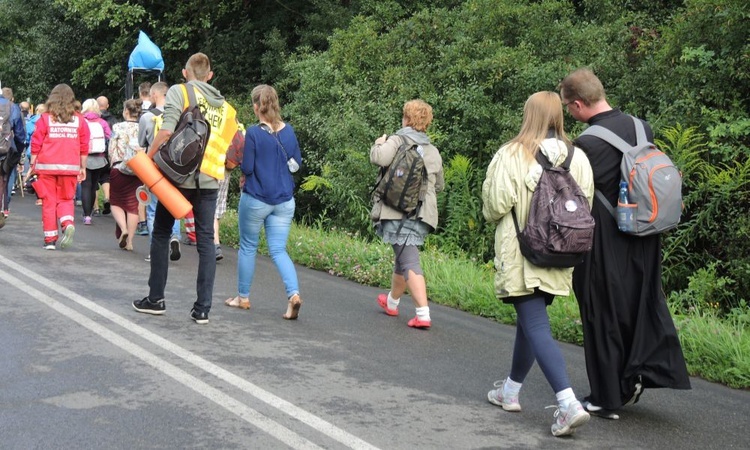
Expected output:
(223, 122)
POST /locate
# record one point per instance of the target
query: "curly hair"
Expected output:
(418, 114)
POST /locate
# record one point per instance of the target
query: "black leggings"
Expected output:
(89, 187)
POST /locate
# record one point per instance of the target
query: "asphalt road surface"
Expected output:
(80, 369)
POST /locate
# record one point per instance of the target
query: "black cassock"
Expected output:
(628, 333)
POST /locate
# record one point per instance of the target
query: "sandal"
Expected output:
(123, 240)
(292, 309)
(238, 302)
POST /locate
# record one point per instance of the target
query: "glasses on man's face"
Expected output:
(565, 105)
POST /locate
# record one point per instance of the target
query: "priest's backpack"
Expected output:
(654, 183)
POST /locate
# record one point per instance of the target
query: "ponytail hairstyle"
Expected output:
(133, 107)
(61, 103)
(267, 101)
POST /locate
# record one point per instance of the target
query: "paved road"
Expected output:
(80, 369)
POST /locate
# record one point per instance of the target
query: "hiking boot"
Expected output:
(416, 322)
(383, 302)
(49, 245)
(148, 307)
(495, 397)
(174, 249)
(87, 220)
(199, 317)
(570, 418)
(67, 239)
(219, 254)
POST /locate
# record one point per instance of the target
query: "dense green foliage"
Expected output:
(345, 67)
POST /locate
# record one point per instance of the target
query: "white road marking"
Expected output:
(243, 411)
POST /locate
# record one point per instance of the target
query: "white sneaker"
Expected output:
(495, 397)
(67, 239)
(567, 420)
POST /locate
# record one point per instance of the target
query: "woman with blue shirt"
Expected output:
(270, 157)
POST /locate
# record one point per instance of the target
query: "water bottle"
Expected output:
(625, 210)
(623, 193)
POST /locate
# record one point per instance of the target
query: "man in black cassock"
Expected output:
(630, 340)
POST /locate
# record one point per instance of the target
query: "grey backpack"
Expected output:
(5, 130)
(654, 183)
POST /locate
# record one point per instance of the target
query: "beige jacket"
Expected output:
(383, 154)
(510, 182)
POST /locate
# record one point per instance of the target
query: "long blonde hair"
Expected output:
(267, 101)
(542, 113)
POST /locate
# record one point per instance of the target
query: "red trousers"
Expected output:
(57, 193)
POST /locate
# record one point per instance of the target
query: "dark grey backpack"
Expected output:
(181, 156)
(559, 231)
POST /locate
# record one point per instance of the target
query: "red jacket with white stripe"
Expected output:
(59, 146)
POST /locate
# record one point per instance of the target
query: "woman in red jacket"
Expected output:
(59, 149)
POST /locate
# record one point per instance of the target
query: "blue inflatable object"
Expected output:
(146, 55)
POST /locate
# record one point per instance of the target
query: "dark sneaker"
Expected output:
(147, 306)
(174, 249)
(147, 258)
(188, 241)
(199, 317)
(219, 254)
(107, 208)
(49, 245)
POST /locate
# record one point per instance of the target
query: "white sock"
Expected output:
(511, 388)
(565, 398)
(423, 313)
(393, 302)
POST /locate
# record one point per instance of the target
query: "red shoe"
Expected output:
(416, 323)
(383, 302)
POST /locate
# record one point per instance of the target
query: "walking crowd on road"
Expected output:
(65, 150)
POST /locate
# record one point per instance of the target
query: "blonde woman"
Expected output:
(267, 201)
(406, 234)
(99, 134)
(511, 179)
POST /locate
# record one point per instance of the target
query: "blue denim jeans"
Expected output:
(277, 220)
(151, 212)
(204, 208)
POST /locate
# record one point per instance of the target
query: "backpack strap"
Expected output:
(612, 139)
(189, 95)
(640, 132)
